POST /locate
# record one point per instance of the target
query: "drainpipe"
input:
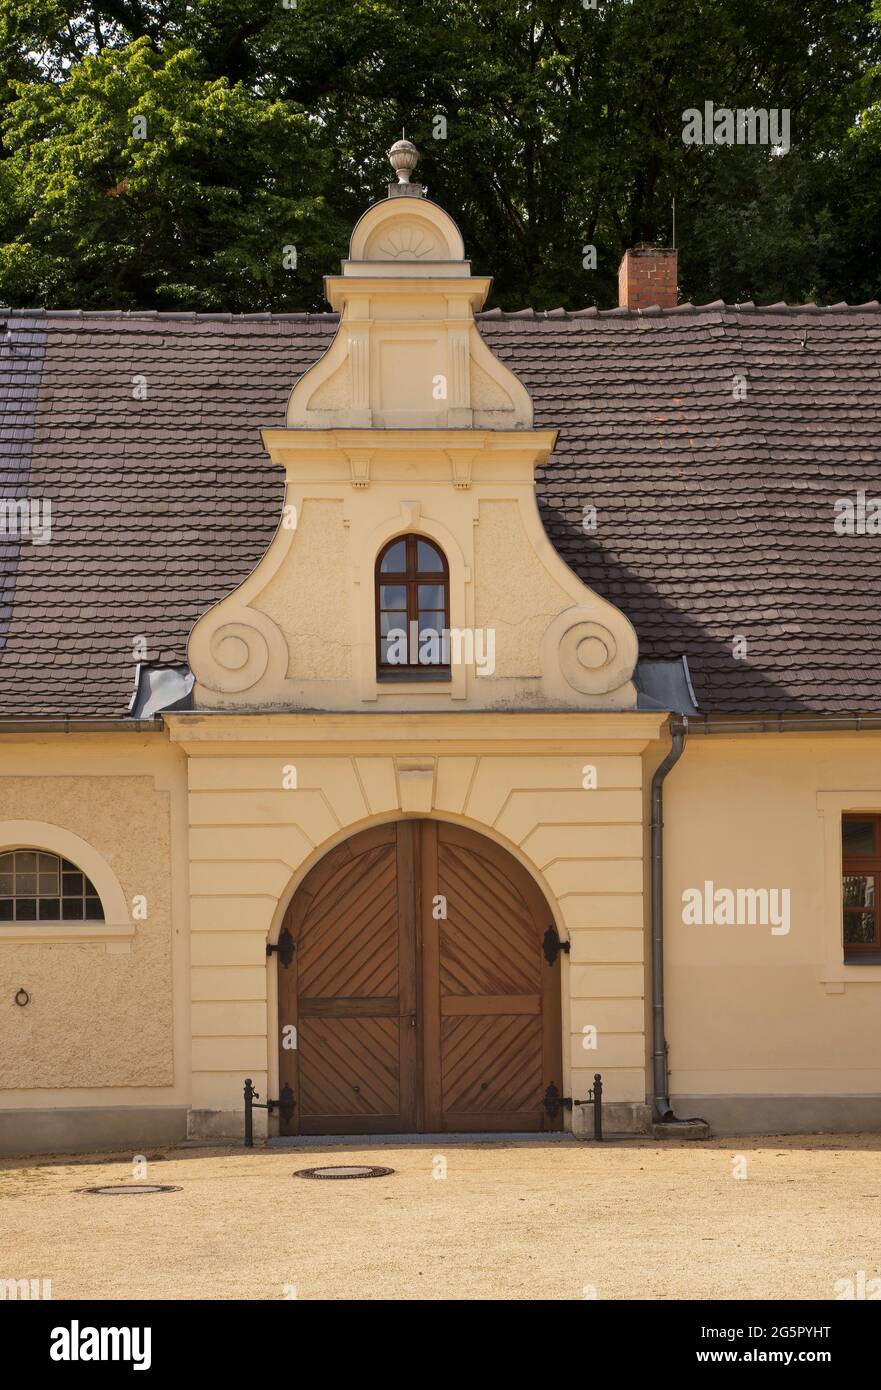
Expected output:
(662, 1109)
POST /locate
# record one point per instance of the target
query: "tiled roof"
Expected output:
(714, 515)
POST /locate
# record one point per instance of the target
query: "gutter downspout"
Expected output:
(662, 1109)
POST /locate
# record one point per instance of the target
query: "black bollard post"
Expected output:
(249, 1113)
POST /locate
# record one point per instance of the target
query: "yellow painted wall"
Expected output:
(748, 1012)
(184, 1007)
(100, 1028)
(518, 779)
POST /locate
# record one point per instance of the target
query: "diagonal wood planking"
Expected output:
(405, 1021)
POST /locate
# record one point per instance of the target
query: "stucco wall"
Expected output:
(299, 633)
(518, 613)
(751, 1013)
(318, 633)
(185, 1007)
(251, 841)
(99, 1028)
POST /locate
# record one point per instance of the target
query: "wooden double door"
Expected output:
(417, 992)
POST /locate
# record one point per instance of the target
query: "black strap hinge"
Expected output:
(553, 1102)
(285, 1103)
(552, 945)
(284, 946)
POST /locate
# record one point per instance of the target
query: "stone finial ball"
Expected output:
(403, 157)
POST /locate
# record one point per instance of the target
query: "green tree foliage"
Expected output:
(141, 180)
(267, 125)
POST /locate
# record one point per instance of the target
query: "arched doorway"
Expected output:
(415, 981)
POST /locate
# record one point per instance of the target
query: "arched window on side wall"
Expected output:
(412, 610)
(36, 886)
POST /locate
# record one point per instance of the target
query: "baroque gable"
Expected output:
(409, 425)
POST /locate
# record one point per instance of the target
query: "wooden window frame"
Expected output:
(410, 578)
(868, 865)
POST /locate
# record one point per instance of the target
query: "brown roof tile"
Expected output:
(714, 515)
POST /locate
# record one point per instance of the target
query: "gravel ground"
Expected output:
(640, 1219)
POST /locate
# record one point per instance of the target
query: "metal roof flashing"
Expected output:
(160, 688)
(665, 685)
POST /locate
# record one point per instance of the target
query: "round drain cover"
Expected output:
(344, 1170)
(127, 1189)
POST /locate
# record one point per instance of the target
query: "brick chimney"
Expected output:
(646, 277)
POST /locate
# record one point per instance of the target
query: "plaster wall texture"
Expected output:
(750, 1012)
(100, 1019)
(516, 599)
(317, 632)
(252, 842)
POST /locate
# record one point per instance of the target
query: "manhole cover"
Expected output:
(127, 1189)
(348, 1170)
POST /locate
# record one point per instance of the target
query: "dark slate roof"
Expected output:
(714, 515)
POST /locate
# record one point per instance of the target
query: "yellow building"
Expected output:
(420, 667)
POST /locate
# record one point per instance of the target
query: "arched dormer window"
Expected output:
(36, 886)
(412, 610)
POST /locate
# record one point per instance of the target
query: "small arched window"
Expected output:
(36, 886)
(412, 610)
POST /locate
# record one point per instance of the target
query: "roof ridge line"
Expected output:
(191, 316)
(687, 307)
(319, 316)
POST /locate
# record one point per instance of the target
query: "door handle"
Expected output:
(412, 1017)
